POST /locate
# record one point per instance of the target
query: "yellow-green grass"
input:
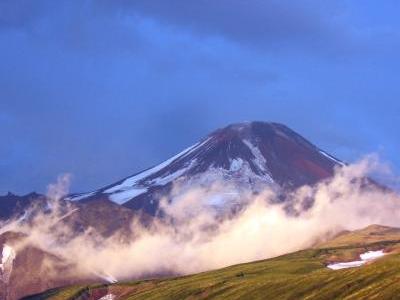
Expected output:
(299, 275)
(370, 234)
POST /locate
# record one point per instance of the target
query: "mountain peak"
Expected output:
(246, 128)
(249, 154)
(258, 130)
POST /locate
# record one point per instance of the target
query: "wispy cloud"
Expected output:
(203, 241)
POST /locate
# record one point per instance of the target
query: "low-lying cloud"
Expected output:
(199, 238)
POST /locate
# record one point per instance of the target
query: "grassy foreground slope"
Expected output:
(299, 275)
(370, 234)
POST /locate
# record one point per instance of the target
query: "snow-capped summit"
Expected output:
(251, 154)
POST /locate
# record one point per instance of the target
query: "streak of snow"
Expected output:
(123, 196)
(80, 196)
(108, 297)
(171, 177)
(166, 179)
(107, 277)
(66, 215)
(24, 217)
(365, 257)
(331, 158)
(131, 181)
(259, 159)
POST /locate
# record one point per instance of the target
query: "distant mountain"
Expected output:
(249, 155)
(14, 205)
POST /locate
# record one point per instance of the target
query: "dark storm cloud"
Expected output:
(257, 22)
(103, 89)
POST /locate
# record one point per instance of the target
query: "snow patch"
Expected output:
(372, 255)
(7, 258)
(365, 257)
(345, 265)
(236, 164)
(7, 254)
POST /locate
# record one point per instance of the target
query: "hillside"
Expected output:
(299, 275)
(370, 234)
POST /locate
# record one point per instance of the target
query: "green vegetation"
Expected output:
(299, 275)
(370, 234)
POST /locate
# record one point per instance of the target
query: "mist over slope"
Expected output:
(304, 274)
(197, 221)
(183, 242)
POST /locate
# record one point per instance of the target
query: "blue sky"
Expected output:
(102, 89)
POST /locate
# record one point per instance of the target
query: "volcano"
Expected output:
(240, 158)
(250, 156)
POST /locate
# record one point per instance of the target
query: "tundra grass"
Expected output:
(299, 275)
